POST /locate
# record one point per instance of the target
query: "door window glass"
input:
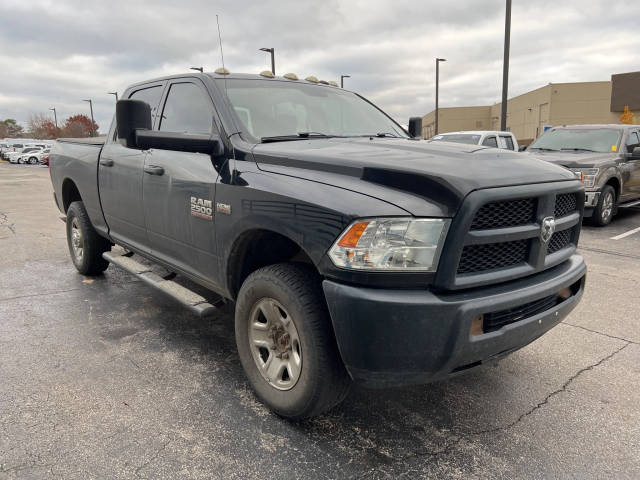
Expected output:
(508, 141)
(149, 95)
(632, 141)
(490, 142)
(187, 109)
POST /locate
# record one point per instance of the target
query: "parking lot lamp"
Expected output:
(114, 93)
(438, 60)
(198, 69)
(55, 117)
(342, 77)
(273, 60)
(91, 132)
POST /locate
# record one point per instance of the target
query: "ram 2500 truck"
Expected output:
(351, 250)
(605, 157)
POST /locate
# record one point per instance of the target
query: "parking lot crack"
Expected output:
(601, 333)
(153, 457)
(468, 436)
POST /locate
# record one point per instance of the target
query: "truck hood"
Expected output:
(408, 173)
(575, 159)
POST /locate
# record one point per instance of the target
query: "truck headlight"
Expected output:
(586, 175)
(383, 244)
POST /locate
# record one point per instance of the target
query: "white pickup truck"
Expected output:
(487, 138)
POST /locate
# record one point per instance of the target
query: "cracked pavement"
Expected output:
(106, 378)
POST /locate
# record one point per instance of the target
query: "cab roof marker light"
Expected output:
(333, 84)
(291, 76)
(267, 73)
(222, 71)
(311, 79)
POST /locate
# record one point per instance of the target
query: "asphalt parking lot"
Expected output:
(106, 378)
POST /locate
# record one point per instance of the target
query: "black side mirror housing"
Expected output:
(635, 154)
(132, 115)
(415, 127)
(181, 142)
(522, 148)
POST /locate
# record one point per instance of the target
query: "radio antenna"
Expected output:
(220, 40)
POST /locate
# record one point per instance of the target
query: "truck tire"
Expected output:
(603, 213)
(85, 245)
(286, 343)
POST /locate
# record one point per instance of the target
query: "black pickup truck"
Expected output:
(351, 250)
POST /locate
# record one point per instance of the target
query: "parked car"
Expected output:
(351, 250)
(495, 139)
(13, 148)
(25, 153)
(45, 159)
(605, 157)
(33, 156)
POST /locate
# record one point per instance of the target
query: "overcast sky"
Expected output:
(56, 53)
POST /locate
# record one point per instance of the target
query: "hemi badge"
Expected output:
(223, 208)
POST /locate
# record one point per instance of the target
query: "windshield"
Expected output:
(579, 139)
(274, 109)
(468, 138)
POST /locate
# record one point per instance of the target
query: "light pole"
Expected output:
(55, 117)
(92, 121)
(342, 77)
(198, 69)
(273, 59)
(438, 60)
(114, 93)
(505, 66)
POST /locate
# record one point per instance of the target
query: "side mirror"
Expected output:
(180, 142)
(522, 148)
(635, 154)
(415, 127)
(132, 115)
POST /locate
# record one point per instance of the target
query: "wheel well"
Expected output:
(256, 249)
(615, 183)
(70, 194)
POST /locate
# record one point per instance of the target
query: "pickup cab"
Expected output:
(351, 250)
(605, 157)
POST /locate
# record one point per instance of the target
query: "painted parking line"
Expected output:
(626, 234)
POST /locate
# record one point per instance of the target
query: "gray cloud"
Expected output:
(56, 54)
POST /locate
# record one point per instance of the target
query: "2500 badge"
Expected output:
(201, 208)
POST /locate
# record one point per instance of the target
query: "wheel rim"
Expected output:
(607, 206)
(275, 344)
(77, 240)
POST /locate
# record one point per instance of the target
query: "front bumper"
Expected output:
(590, 202)
(403, 337)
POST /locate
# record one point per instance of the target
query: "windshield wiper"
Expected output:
(298, 136)
(543, 149)
(578, 149)
(382, 135)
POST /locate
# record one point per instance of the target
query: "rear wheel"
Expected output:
(286, 343)
(33, 160)
(603, 213)
(85, 245)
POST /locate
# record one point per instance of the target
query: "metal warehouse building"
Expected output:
(554, 104)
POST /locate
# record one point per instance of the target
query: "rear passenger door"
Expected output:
(179, 187)
(120, 179)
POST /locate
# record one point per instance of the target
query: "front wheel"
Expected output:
(286, 343)
(85, 245)
(33, 160)
(603, 213)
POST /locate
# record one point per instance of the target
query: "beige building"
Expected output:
(553, 104)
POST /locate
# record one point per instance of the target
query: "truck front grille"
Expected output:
(497, 235)
(559, 240)
(504, 214)
(566, 203)
(478, 258)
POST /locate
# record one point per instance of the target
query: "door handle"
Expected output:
(106, 162)
(153, 170)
